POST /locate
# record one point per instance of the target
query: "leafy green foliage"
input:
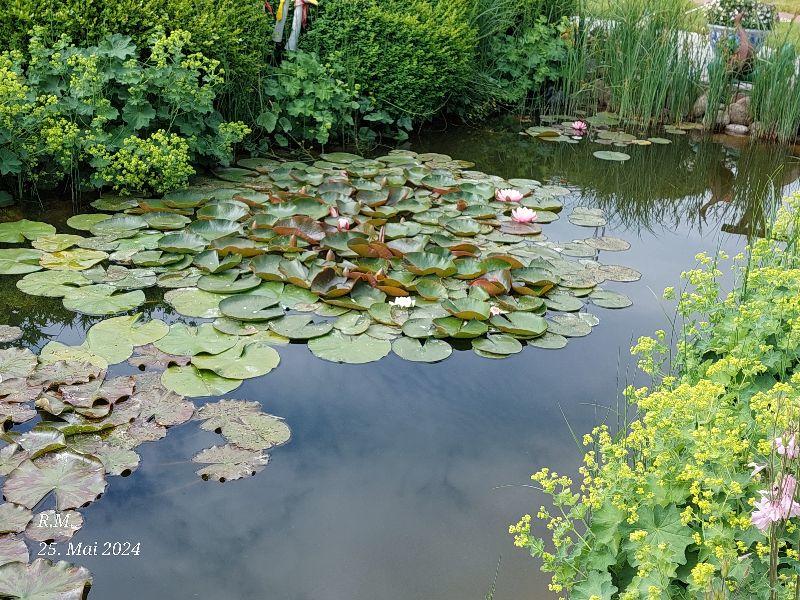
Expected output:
(305, 101)
(98, 116)
(409, 58)
(233, 32)
(696, 497)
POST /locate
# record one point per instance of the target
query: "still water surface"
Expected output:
(401, 478)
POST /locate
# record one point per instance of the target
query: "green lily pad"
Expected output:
(192, 302)
(498, 344)
(51, 284)
(609, 299)
(16, 232)
(251, 308)
(193, 382)
(523, 324)
(458, 328)
(351, 349)
(56, 242)
(568, 325)
(299, 327)
(549, 341)
(182, 243)
(101, 300)
(414, 350)
(243, 361)
(115, 338)
(185, 340)
(17, 261)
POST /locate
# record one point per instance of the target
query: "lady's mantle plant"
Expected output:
(697, 497)
(102, 116)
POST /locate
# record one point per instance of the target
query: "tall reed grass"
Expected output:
(639, 49)
(775, 99)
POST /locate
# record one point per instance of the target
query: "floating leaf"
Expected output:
(190, 381)
(496, 345)
(16, 232)
(299, 327)
(609, 299)
(192, 302)
(52, 526)
(185, 340)
(43, 580)
(102, 299)
(75, 479)
(243, 361)
(17, 261)
(351, 349)
(13, 549)
(16, 363)
(228, 463)
(416, 351)
(523, 324)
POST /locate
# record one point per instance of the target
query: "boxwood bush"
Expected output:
(411, 57)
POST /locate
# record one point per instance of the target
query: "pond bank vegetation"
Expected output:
(696, 496)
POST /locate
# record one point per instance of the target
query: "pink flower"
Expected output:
(777, 505)
(333, 211)
(523, 215)
(789, 449)
(508, 195)
(343, 224)
(579, 126)
(496, 310)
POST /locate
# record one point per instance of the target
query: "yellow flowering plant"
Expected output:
(107, 115)
(697, 497)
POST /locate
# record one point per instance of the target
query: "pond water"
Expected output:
(401, 479)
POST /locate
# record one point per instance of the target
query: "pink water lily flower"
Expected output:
(523, 215)
(496, 310)
(786, 445)
(579, 126)
(777, 505)
(508, 195)
(343, 224)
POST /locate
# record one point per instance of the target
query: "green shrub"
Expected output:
(409, 57)
(305, 101)
(69, 113)
(234, 32)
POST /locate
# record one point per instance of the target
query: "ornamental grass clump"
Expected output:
(697, 497)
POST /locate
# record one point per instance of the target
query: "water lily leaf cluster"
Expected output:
(602, 129)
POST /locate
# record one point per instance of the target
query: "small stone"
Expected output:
(723, 118)
(740, 113)
(735, 129)
(700, 106)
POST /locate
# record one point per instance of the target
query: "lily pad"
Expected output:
(609, 299)
(351, 349)
(229, 462)
(102, 299)
(43, 580)
(190, 381)
(414, 350)
(75, 480)
(185, 340)
(243, 361)
(16, 232)
(17, 261)
(300, 327)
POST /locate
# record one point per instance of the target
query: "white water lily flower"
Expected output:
(403, 302)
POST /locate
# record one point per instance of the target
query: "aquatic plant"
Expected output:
(696, 496)
(632, 57)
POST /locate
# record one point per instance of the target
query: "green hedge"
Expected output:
(234, 32)
(412, 57)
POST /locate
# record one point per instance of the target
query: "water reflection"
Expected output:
(394, 485)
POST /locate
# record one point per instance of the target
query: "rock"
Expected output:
(735, 129)
(740, 112)
(700, 107)
(723, 118)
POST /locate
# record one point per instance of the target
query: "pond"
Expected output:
(401, 478)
